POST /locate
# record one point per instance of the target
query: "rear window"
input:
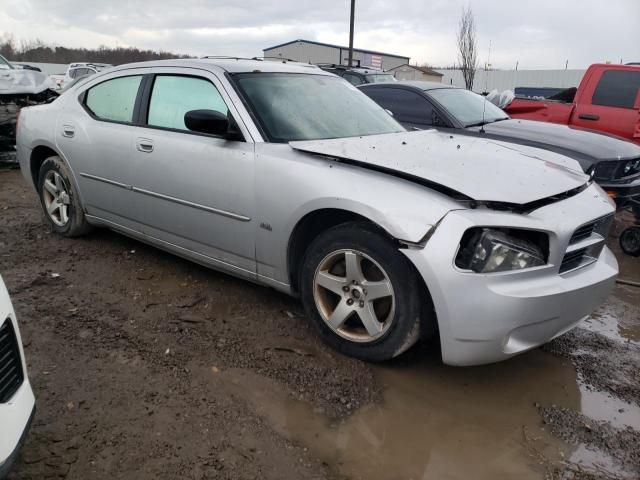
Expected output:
(617, 88)
(114, 99)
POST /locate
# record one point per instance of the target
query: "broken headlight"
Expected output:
(487, 250)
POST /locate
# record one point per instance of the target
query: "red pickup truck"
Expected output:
(607, 99)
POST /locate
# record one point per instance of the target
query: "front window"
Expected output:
(4, 64)
(469, 108)
(310, 107)
(173, 96)
(380, 78)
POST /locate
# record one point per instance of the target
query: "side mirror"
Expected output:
(207, 121)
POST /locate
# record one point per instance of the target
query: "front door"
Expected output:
(194, 192)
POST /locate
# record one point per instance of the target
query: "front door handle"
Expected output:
(588, 116)
(68, 131)
(144, 145)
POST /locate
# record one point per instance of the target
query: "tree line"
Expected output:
(38, 51)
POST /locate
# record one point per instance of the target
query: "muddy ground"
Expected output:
(146, 366)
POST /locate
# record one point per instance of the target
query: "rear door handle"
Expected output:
(144, 145)
(588, 116)
(68, 131)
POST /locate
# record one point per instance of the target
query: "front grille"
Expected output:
(11, 373)
(572, 260)
(600, 226)
(577, 257)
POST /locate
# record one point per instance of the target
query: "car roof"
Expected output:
(344, 68)
(231, 65)
(416, 84)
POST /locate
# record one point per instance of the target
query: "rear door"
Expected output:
(611, 103)
(194, 192)
(95, 134)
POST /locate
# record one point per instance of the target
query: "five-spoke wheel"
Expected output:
(363, 295)
(59, 198)
(56, 198)
(354, 295)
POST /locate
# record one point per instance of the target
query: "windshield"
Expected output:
(4, 64)
(292, 106)
(380, 77)
(467, 107)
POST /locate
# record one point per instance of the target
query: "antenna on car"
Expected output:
(486, 83)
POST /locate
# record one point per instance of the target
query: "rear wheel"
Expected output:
(59, 199)
(361, 293)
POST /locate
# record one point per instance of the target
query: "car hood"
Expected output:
(24, 82)
(482, 170)
(585, 146)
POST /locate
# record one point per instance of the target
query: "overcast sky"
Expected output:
(537, 34)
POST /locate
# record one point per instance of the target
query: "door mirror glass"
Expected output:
(207, 121)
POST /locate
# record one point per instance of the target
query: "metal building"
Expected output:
(414, 72)
(308, 51)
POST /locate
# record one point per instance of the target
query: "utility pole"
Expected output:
(353, 11)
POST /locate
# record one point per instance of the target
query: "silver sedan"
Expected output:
(289, 176)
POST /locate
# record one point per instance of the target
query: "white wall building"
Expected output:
(510, 79)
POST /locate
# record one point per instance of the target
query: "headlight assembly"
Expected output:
(488, 250)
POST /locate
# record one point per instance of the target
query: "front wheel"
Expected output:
(363, 295)
(59, 199)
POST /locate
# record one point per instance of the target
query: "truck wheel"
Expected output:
(363, 295)
(630, 241)
(59, 199)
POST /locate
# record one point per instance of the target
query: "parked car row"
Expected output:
(78, 70)
(613, 162)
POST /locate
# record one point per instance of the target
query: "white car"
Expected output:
(77, 70)
(17, 403)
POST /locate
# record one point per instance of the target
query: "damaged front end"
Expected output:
(19, 89)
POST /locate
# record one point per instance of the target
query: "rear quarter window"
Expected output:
(115, 99)
(617, 88)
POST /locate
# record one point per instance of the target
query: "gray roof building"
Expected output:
(310, 51)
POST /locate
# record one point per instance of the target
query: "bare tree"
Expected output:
(467, 47)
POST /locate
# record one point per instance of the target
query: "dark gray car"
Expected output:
(614, 162)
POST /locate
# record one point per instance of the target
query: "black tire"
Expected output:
(409, 312)
(630, 241)
(76, 224)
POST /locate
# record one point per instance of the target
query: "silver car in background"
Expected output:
(289, 176)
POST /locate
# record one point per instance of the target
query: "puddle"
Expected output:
(456, 423)
(619, 318)
(435, 421)
(598, 461)
(605, 407)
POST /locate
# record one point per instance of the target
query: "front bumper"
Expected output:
(484, 318)
(16, 417)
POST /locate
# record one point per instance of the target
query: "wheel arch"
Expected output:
(318, 221)
(38, 155)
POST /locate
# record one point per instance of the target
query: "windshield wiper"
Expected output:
(482, 124)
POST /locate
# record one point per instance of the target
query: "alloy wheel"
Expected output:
(56, 198)
(354, 295)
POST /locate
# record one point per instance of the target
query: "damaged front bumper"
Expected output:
(484, 318)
